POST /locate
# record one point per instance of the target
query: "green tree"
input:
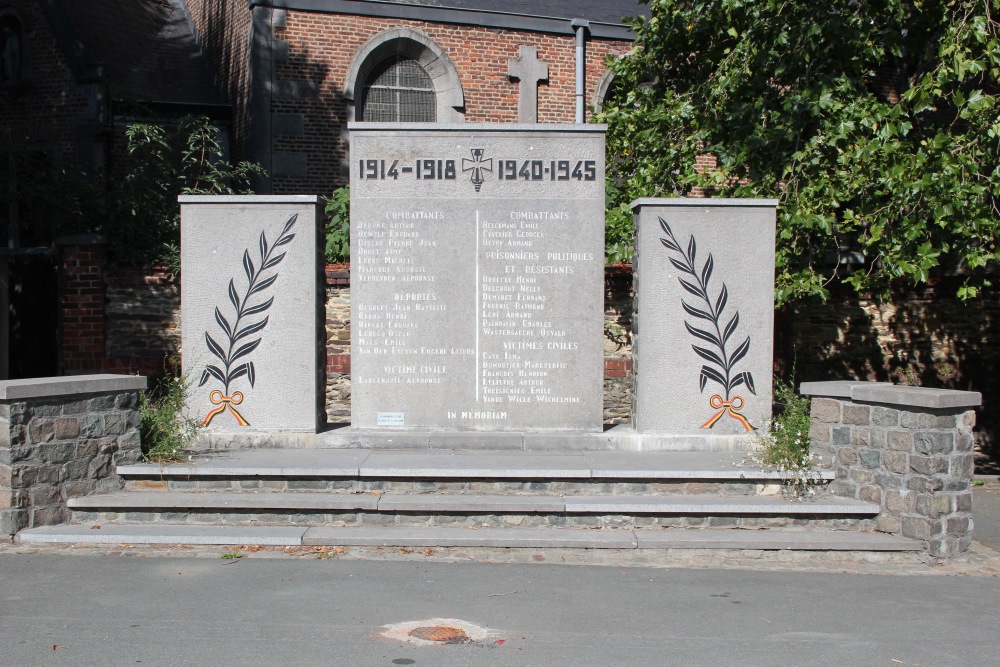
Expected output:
(789, 98)
(162, 162)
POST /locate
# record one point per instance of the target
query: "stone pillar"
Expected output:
(909, 449)
(81, 304)
(703, 319)
(252, 336)
(61, 438)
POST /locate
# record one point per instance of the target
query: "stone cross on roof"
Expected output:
(529, 70)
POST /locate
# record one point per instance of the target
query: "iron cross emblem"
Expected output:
(477, 165)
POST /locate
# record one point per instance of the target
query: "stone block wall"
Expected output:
(907, 449)
(62, 438)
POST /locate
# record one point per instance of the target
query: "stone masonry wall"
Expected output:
(907, 449)
(62, 438)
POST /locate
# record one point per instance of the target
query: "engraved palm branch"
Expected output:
(722, 362)
(237, 347)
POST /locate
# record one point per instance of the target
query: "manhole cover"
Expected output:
(445, 634)
(440, 631)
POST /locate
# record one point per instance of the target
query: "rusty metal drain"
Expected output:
(440, 631)
(444, 634)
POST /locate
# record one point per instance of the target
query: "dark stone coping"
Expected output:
(702, 202)
(248, 199)
(548, 129)
(889, 394)
(81, 239)
(65, 386)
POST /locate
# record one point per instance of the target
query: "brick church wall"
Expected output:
(223, 29)
(320, 50)
(43, 115)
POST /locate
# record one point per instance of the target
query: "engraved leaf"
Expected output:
(284, 239)
(248, 266)
(709, 373)
(251, 373)
(744, 378)
(670, 244)
(273, 261)
(244, 350)
(238, 372)
(737, 381)
(706, 271)
(665, 227)
(263, 285)
(692, 249)
(259, 308)
(709, 355)
(691, 310)
(731, 327)
(702, 379)
(694, 289)
(720, 303)
(263, 248)
(704, 335)
(214, 347)
(233, 296)
(213, 371)
(740, 352)
(289, 223)
(682, 266)
(250, 329)
(223, 322)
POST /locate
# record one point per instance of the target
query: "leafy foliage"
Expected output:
(784, 446)
(164, 431)
(163, 161)
(237, 347)
(695, 282)
(787, 443)
(786, 97)
(337, 211)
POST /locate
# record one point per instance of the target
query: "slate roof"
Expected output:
(147, 47)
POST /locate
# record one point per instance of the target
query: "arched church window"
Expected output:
(11, 50)
(398, 90)
(401, 75)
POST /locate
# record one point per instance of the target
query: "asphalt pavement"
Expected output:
(99, 610)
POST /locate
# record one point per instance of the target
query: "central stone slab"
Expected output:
(477, 265)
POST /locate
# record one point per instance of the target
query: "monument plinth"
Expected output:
(251, 341)
(703, 327)
(477, 256)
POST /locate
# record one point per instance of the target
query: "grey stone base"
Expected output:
(618, 438)
(463, 487)
(638, 547)
(466, 520)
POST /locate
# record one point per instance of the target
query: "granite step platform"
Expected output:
(435, 464)
(138, 501)
(509, 538)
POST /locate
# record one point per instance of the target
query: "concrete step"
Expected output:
(469, 503)
(507, 538)
(370, 464)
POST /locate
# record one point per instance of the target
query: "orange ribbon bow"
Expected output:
(225, 402)
(730, 407)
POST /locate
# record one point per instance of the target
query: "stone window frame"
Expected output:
(603, 87)
(8, 12)
(417, 46)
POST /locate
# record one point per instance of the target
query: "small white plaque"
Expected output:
(391, 419)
